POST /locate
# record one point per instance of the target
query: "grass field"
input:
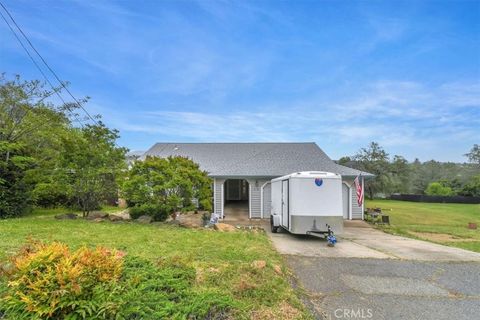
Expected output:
(444, 223)
(222, 260)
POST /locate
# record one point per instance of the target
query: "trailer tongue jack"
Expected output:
(329, 235)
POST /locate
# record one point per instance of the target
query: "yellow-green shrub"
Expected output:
(51, 281)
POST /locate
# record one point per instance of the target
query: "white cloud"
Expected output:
(392, 113)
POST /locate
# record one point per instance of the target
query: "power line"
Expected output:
(45, 62)
(36, 64)
(48, 67)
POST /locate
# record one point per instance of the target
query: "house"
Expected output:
(241, 172)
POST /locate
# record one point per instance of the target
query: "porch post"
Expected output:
(222, 200)
(350, 203)
(363, 200)
(249, 199)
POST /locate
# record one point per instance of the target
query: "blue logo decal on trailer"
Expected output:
(318, 181)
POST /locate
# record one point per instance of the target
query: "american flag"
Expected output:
(359, 189)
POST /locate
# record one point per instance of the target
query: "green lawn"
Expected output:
(444, 223)
(222, 260)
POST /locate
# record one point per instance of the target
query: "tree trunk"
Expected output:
(370, 193)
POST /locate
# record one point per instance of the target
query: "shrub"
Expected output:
(167, 291)
(15, 196)
(157, 212)
(206, 204)
(472, 188)
(49, 195)
(51, 281)
(438, 189)
(175, 183)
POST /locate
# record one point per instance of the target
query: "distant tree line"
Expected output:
(397, 175)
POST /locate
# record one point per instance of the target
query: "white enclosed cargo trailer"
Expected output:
(307, 203)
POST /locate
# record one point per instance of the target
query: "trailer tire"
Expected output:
(272, 226)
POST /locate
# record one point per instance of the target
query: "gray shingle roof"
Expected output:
(253, 159)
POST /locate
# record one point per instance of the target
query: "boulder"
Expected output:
(144, 219)
(187, 224)
(223, 227)
(66, 216)
(114, 218)
(97, 215)
(98, 220)
(259, 264)
(125, 215)
(173, 222)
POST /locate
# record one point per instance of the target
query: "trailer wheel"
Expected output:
(272, 226)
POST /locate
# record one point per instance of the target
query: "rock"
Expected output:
(173, 222)
(97, 215)
(125, 215)
(98, 220)
(259, 264)
(66, 216)
(144, 219)
(187, 224)
(278, 269)
(114, 218)
(223, 227)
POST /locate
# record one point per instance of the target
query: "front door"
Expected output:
(285, 213)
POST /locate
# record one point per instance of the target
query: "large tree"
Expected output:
(44, 158)
(400, 173)
(474, 154)
(90, 165)
(29, 129)
(374, 159)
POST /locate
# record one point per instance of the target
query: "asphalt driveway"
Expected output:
(373, 275)
(356, 288)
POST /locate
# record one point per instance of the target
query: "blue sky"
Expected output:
(341, 73)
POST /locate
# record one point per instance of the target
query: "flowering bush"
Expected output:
(51, 281)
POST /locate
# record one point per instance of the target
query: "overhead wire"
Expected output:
(55, 90)
(62, 84)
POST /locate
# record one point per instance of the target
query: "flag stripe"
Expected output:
(359, 191)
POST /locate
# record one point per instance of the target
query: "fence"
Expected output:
(435, 199)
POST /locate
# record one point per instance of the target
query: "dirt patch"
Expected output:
(440, 237)
(284, 311)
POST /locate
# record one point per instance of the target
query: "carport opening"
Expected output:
(236, 192)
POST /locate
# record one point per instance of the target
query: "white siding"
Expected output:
(255, 197)
(357, 213)
(356, 209)
(218, 196)
(267, 200)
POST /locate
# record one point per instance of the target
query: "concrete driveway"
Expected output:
(373, 275)
(360, 240)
